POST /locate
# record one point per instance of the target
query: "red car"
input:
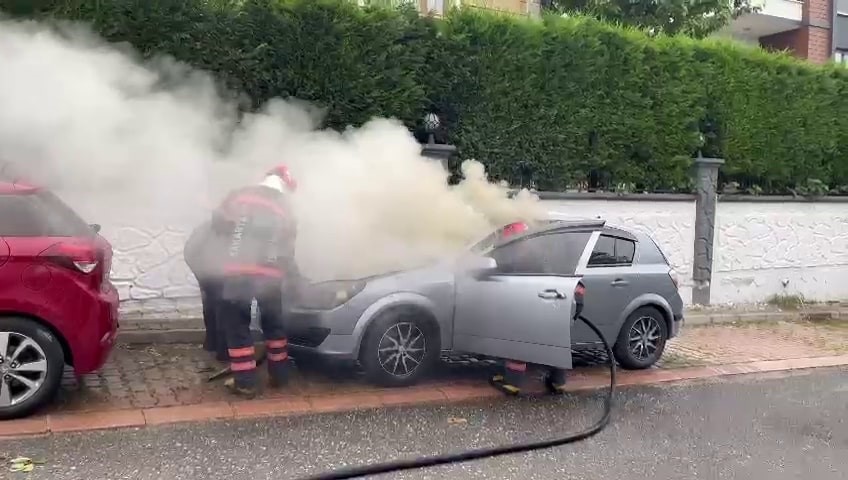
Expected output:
(57, 304)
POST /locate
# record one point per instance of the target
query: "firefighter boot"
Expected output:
(278, 362)
(555, 381)
(246, 392)
(243, 368)
(512, 380)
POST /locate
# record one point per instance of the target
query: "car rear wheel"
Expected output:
(399, 348)
(31, 366)
(642, 339)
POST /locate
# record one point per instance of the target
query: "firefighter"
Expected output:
(514, 374)
(202, 258)
(260, 232)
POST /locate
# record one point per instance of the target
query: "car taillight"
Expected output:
(674, 278)
(80, 257)
(579, 294)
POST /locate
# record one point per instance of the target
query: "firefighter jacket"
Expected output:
(259, 233)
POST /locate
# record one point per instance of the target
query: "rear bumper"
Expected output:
(97, 334)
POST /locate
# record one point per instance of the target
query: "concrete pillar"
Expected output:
(437, 151)
(534, 8)
(706, 184)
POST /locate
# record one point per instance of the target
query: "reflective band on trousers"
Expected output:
(241, 352)
(243, 366)
(278, 357)
(250, 269)
(516, 367)
(282, 343)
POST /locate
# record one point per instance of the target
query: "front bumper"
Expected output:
(316, 332)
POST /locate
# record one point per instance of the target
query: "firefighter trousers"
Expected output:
(234, 314)
(216, 339)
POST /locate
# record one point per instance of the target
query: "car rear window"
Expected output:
(551, 254)
(39, 215)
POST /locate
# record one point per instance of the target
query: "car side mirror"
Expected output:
(479, 264)
(96, 227)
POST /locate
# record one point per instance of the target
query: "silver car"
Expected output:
(498, 298)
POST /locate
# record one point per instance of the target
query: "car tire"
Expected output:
(642, 339)
(384, 363)
(28, 344)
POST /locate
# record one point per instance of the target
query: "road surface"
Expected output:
(772, 428)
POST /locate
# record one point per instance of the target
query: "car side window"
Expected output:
(611, 251)
(20, 217)
(551, 254)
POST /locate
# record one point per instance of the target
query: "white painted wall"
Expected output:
(758, 245)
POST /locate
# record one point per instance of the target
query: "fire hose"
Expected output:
(481, 453)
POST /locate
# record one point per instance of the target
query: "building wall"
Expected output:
(794, 41)
(817, 23)
(813, 39)
(761, 249)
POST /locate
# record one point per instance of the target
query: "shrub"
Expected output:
(557, 103)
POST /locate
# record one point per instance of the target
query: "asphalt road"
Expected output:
(740, 428)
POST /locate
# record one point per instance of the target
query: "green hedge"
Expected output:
(556, 103)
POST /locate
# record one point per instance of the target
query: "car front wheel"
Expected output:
(31, 366)
(399, 349)
(642, 339)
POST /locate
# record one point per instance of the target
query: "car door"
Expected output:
(608, 276)
(522, 310)
(4, 252)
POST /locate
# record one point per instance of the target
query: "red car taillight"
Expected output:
(579, 296)
(80, 257)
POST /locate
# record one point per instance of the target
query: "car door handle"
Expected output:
(552, 294)
(619, 282)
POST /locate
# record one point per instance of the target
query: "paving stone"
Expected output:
(173, 375)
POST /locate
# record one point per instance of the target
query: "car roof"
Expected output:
(548, 226)
(17, 188)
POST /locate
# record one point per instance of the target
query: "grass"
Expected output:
(786, 301)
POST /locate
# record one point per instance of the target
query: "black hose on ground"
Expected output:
(400, 465)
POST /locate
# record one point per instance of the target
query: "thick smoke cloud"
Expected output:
(155, 143)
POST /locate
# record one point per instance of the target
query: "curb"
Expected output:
(414, 396)
(158, 332)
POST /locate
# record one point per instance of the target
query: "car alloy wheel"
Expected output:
(23, 368)
(402, 349)
(644, 337)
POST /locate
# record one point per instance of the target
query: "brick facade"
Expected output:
(812, 40)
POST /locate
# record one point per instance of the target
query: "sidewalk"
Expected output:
(154, 385)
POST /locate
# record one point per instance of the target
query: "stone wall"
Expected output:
(762, 247)
(766, 248)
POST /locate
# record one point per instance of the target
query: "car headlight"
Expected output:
(329, 295)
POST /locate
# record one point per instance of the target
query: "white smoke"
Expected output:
(155, 144)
